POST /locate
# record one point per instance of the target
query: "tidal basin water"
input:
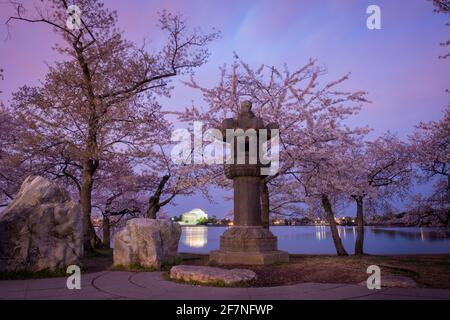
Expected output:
(317, 239)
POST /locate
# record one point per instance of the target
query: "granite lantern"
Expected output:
(247, 241)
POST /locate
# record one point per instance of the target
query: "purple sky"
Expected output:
(397, 65)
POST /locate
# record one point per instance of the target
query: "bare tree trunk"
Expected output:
(153, 208)
(90, 165)
(90, 239)
(154, 201)
(265, 204)
(359, 243)
(106, 223)
(334, 232)
(106, 226)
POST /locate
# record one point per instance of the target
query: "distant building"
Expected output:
(193, 217)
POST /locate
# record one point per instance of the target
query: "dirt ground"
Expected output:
(431, 271)
(427, 270)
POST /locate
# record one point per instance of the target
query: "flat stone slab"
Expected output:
(206, 274)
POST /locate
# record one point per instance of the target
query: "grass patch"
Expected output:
(21, 274)
(99, 252)
(166, 266)
(212, 264)
(135, 267)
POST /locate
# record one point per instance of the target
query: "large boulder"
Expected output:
(147, 243)
(40, 229)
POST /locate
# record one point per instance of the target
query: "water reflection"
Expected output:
(419, 234)
(321, 233)
(195, 237)
(318, 239)
(342, 232)
(412, 233)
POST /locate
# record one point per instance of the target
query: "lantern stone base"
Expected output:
(248, 246)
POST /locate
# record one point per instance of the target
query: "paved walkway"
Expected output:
(151, 285)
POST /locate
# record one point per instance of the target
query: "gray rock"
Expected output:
(170, 237)
(41, 228)
(147, 243)
(206, 274)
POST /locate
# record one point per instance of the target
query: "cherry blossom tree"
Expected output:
(5, 130)
(443, 6)
(309, 114)
(13, 168)
(424, 212)
(164, 180)
(141, 187)
(322, 174)
(8, 185)
(430, 147)
(101, 101)
(376, 171)
(352, 168)
(117, 196)
(430, 144)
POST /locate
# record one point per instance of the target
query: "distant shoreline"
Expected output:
(323, 225)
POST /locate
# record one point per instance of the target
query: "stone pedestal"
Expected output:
(248, 245)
